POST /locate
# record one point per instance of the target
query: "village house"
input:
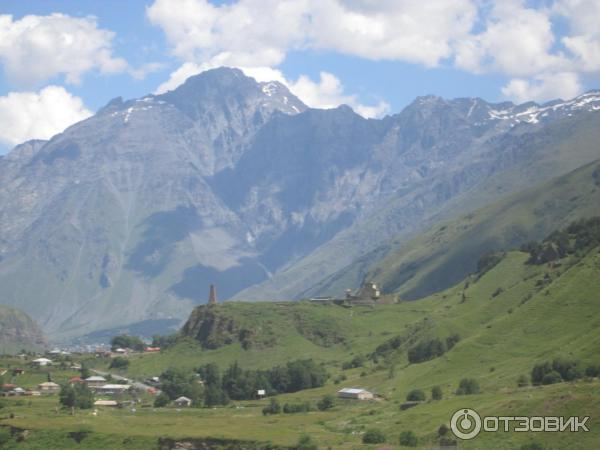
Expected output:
(355, 393)
(48, 387)
(112, 389)
(106, 403)
(41, 362)
(182, 402)
(18, 371)
(95, 381)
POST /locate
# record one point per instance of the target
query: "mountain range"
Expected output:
(128, 216)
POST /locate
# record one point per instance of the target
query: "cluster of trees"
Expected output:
(76, 396)
(238, 384)
(376, 436)
(357, 361)
(417, 395)
(426, 350)
(177, 382)
(558, 370)
(126, 341)
(165, 341)
(274, 407)
(579, 236)
(119, 363)
(468, 386)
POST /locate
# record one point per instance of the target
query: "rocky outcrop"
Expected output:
(18, 331)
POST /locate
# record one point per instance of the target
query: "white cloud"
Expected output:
(37, 48)
(142, 72)
(508, 37)
(517, 41)
(261, 32)
(544, 87)
(403, 30)
(38, 115)
(329, 93)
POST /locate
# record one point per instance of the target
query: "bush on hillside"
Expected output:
(126, 341)
(373, 436)
(408, 439)
(416, 395)
(305, 443)
(523, 381)
(161, 400)
(468, 386)
(427, 350)
(327, 402)
(556, 371)
(272, 408)
(436, 393)
(119, 363)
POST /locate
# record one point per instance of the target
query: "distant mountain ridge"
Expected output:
(128, 216)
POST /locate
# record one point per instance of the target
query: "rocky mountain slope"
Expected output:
(129, 215)
(447, 252)
(18, 331)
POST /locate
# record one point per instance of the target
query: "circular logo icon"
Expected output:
(465, 424)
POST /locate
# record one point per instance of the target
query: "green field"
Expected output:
(511, 317)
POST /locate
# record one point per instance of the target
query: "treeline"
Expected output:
(209, 387)
(558, 370)
(433, 348)
(577, 238)
(126, 341)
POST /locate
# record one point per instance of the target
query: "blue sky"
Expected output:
(62, 60)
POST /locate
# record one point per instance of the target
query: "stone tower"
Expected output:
(212, 296)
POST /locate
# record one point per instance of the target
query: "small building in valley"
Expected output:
(48, 387)
(106, 403)
(183, 402)
(41, 362)
(95, 381)
(355, 393)
(112, 389)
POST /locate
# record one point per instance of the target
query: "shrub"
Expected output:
(272, 408)
(443, 430)
(119, 363)
(291, 408)
(416, 395)
(305, 443)
(468, 386)
(592, 371)
(523, 381)
(552, 378)
(326, 402)
(408, 439)
(373, 436)
(357, 361)
(436, 393)
(4, 436)
(532, 446)
(161, 400)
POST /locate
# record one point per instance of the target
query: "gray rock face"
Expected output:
(130, 214)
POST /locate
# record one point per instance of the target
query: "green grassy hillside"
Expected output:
(509, 318)
(446, 253)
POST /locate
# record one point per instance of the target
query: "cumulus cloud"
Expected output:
(261, 32)
(508, 37)
(38, 115)
(328, 92)
(38, 48)
(543, 87)
(516, 41)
